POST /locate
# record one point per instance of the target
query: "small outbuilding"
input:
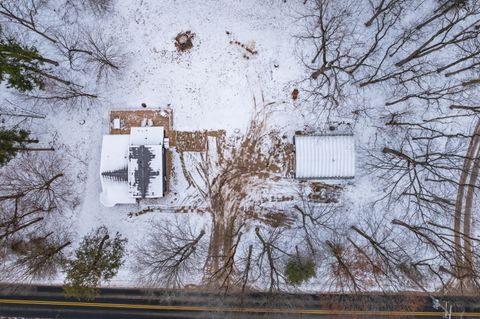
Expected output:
(324, 156)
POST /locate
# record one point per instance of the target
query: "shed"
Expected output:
(326, 156)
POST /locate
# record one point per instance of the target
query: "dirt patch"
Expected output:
(137, 117)
(195, 141)
(275, 159)
(289, 159)
(274, 218)
(185, 171)
(324, 193)
(183, 41)
(295, 94)
(169, 167)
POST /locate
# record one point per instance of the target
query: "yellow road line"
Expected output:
(220, 309)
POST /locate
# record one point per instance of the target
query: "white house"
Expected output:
(326, 156)
(133, 166)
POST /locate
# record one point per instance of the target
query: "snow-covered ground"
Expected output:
(213, 86)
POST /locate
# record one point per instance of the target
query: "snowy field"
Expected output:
(410, 142)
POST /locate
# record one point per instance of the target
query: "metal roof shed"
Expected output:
(326, 156)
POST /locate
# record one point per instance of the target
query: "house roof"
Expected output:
(147, 135)
(131, 166)
(324, 156)
(145, 178)
(113, 167)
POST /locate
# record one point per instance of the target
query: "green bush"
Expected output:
(97, 260)
(11, 141)
(297, 270)
(20, 66)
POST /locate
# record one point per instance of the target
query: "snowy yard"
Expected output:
(258, 73)
(212, 86)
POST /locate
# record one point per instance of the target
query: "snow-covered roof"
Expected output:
(114, 161)
(324, 156)
(147, 135)
(132, 166)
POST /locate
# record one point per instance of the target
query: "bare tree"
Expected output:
(342, 54)
(40, 181)
(343, 269)
(33, 187)
(225, 275)
(170, 262)
(411, 61)
(442, 263)
(330, 34)
(388, 258)
(269, 259)
(89, 50)
(105, 56)
(424, 184)
(41, 255)
(60, 94)
(383, 7)
(313, 220)
(100, 6)
(24, 13)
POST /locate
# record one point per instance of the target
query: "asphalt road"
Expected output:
(49, 302)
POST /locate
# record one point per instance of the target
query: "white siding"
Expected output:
(324, 156)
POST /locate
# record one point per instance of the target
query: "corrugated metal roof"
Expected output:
(324, 156)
